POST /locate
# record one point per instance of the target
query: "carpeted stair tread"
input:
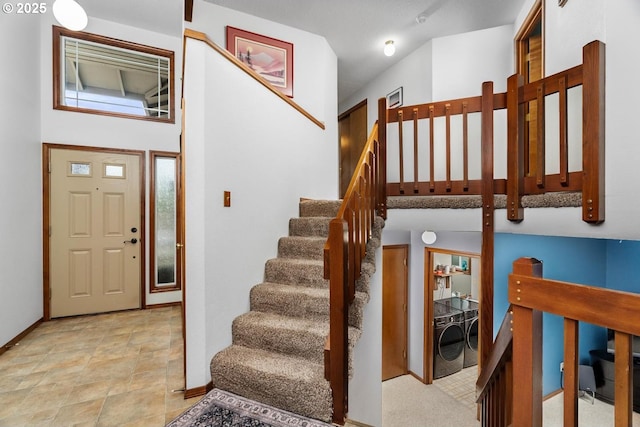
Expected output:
(292, 271)
(326, 208)
(288, 335)
(309, 226)
(286, 382)
(301, 247)
(303, 302)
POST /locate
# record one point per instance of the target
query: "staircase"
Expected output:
(277, 355)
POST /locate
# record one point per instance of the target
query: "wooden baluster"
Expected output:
(564, 135)
(593, 112)
(338, 334)
(508, 404)
(432, 183)
(527, 348)
(351, 212)
(381, 159)
(401, 151)
(368, 218)
(623, 381)
(515, 149)
(571, 378)
(415, 150)
(465, 148)
(447, 109)
(540, 143)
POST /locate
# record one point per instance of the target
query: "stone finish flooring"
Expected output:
(115, 369)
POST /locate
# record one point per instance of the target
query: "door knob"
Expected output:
(132, 241)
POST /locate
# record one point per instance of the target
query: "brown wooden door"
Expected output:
(352, 128)
(394, 311)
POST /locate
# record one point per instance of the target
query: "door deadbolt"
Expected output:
(134, 230)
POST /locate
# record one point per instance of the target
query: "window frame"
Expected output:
(153, 278)
(59, 32)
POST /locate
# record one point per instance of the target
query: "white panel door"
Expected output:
(95, 232)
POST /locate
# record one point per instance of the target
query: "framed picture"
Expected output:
(394, 99)
(270, 58)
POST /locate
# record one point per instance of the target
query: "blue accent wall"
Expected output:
(569, 259)
(623, 257)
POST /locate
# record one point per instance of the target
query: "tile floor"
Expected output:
(116, 369)
(461, 386)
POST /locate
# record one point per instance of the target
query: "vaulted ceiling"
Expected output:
(355, 29)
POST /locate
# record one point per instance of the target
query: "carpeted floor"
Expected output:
(221, 409)
(408, 402)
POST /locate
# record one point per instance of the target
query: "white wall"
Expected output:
(242, 138)
(365, 388)
(567, 29)
(314, 67)
(65, 127)
(412, 73)
(20, 176)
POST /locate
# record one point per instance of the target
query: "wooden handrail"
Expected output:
(349, 233)
(517, 352)
(197, 35)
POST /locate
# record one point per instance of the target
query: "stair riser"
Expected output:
(309, 227)
(320, 208)
(311, 276)
(300, 305)
(310, 398)
(304, 344)
(301, 247)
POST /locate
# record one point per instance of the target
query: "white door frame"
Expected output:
(46, 220)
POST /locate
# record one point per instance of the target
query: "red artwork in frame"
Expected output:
(272, 59)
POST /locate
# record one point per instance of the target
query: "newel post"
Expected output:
(527, 347)
(338, 318)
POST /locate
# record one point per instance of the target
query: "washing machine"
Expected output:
(448, 340)
(470, 308)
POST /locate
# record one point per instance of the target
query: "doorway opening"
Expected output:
(451, 314)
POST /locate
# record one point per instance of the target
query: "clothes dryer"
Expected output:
(448, 340)
(470, 308)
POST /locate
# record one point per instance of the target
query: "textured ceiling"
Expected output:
(355, 29)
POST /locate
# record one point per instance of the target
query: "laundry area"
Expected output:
(456, 310)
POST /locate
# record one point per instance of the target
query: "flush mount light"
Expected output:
(429, 237)
(421, 19)
(70, 14)
(389, 48)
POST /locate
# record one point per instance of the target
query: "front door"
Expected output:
(394, 310)
(95, 231)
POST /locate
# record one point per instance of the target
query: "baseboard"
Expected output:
(163, 305)
(20, 336)
(356, 423)
(552, 394)
(198, 391)
(416, 376)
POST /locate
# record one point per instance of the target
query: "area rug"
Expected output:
(223, 409)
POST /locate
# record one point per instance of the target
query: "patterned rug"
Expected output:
(223, 409)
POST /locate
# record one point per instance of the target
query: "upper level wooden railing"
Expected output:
(529, 297)
(344, 251)
(197, 35)
(590, 180)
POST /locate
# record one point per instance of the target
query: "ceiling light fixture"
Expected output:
(421, 19)
(389, 48)
(70, 14)
(429, 237)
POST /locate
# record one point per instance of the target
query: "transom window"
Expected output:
(101, 75)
